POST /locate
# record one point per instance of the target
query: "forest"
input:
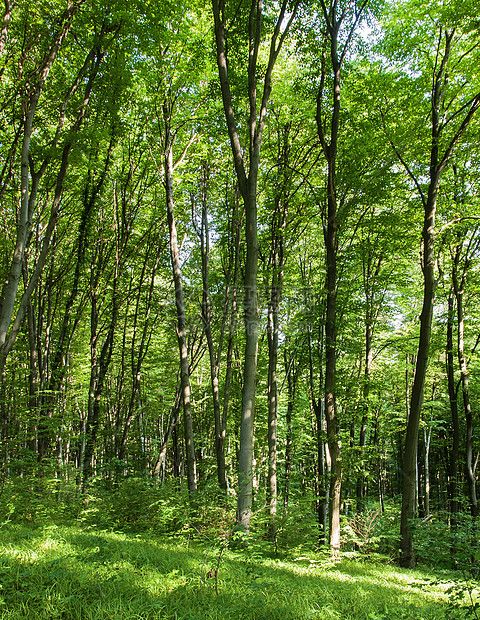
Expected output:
(240, 267)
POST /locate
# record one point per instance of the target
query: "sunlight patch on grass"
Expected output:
(95, 575)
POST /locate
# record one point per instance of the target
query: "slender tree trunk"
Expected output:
(292, 375)
(333, 437)
(248, 188)
(214, 356)
(365, 406)
(7, 18)
(138, 349)
(231, 328)
(27, 204)
(427, 436)
(272, 405)
(459, 288)
(28, 196)
(99, 368)
(159, 468)
(370, 275)
(245, 461)
(323, 465)
(33, 383)
(437, 166)
(272, 387)
(329, 143)
(180, 306)
(277, 264)
(453, 452)
(68, 325)
(411, 440)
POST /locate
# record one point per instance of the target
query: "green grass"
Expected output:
(66, 572)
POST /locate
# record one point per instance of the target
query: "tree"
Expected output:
(450, 111)
(337, 19)
(468, 248)
(247, 177)
(30, 94)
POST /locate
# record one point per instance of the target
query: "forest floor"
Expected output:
(81, 574)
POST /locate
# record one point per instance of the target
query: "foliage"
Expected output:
(297, 527)
(464, 595)
(54, 572)
(104, 305)
(362, 529)
(39, 500)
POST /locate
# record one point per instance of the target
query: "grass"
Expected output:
(66, 572)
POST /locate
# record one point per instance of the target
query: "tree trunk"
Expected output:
(98, 372)
(159, 468)
(247, 184)
(29, 196)
(291, 373)
(272, 405)
(7, 17)
(411, 440)
(360, 492)
(245, 457)
(138, 349)
(427, 436)
(214, 356)
(459, 288)
(323, 461)
(452, 463)
(277, 264)
(329, 144)
(236, 235)
(437, 167)
(180, 306)
(371, 271)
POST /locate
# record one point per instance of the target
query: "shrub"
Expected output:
(39, 500)
(362, 530)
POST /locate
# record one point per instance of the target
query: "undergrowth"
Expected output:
(75, 573)
(139, 550)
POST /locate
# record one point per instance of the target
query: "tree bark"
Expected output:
(331, 243)
(291, 372)
(409, 466)
(7, 18)
(272, 405)
(277, 265)
(28, 195)
(329, 145)
(452, 487)
(248, 188)
(323, 464)
(459, 289)
(159, 468)
(138, 346)
(437, 166)
(99, 365)
(214, 356)
(370, 275)
(179, 303)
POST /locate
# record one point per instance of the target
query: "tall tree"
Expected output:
(450, 111)
(181, 327)
(30, 94)
(247, 176)
(341, 22)
(460, 267)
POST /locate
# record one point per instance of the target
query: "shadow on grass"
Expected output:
(282, 593)
(84, 575)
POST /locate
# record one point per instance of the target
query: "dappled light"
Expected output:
(92, 574)
(239, 310)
